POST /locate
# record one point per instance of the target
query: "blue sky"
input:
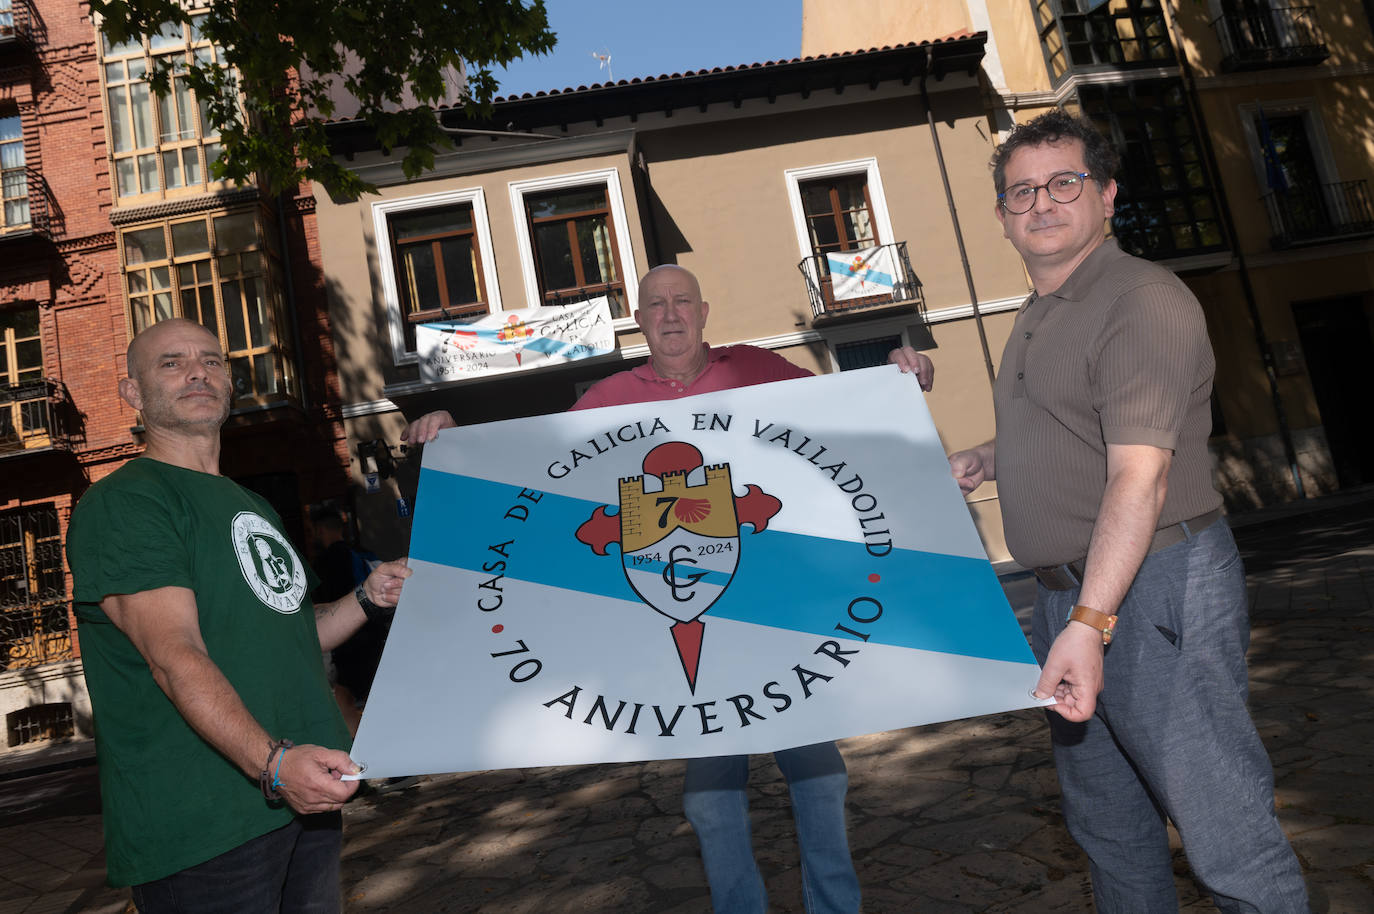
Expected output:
(649, 38)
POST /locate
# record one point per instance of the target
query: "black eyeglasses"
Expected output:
(1065, 187)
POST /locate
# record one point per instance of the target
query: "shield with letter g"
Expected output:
(679, 537)
(679, 534)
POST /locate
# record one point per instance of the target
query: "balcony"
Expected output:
(38, 215)
(864, 283)
(1321, 213)
(33, 417)
(15, 23)
(1122, 35)
(1278, 37)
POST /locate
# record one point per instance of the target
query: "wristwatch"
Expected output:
(1101, 621)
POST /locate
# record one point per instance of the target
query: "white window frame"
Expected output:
(391, 295)
(854, 333)
(867, 167)
(615, 199)
(1316, 135)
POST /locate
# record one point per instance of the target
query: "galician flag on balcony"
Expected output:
(512, 340)
(856, 274)
(736, 572)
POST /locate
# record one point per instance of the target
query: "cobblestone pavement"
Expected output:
(956, 817)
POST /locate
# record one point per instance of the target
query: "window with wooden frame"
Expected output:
(573, 235)
(838, 213)
(21, 349)
(157, 143)
(23, 400)
(438, 262)
(14, 180)
(218, 270)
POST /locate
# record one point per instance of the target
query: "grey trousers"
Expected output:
(1172, 737)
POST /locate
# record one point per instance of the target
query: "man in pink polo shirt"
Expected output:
(672, 316)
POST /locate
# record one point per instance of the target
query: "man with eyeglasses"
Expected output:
(1141, 617)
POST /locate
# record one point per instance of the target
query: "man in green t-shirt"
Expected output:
(221, 749)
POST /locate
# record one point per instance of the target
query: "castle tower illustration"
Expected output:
(679, 534)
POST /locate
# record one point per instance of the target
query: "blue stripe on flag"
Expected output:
(929, 601)
(561, 347)
(840, 269)
(713, 578)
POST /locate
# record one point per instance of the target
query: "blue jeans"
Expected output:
(292, 870)
(715, 801)
(1172, 737)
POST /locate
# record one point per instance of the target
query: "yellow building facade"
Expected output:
(1247, 134)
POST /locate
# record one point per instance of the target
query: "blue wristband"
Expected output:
(276, 776)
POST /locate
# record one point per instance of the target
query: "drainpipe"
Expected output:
(284, 200)
(1251, 306)
(954, 218)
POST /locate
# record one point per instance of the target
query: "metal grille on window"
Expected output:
(866, 353)
(34, 625)
(40, 722)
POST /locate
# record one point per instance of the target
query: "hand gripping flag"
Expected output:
(738, 572)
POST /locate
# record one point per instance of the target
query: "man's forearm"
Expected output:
(337, 621)
(208, 702)
(1137, 482)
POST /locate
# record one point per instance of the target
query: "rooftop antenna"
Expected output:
(604, 62)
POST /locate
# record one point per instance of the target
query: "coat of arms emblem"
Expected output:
(678, 528)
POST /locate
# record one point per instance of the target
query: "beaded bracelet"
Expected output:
(266, 780)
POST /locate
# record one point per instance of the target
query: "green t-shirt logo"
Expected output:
(269, 564)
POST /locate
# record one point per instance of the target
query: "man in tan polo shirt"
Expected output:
(1141, 618)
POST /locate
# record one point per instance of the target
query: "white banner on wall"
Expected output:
(737, 572)
(512, 340)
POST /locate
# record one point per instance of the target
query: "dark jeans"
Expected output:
(293, 870)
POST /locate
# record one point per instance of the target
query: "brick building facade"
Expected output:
(112, 219)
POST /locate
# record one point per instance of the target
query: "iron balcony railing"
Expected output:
(15, 22)
(1324, 212)
(614, 292)
(1277, 37)
(33, 416)
(39, 218)
(826, 303)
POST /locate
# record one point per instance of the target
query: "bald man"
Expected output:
(220, 746)
(672, 315)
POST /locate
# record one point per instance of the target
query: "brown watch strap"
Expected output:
(1101, 621)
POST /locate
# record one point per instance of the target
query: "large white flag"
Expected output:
(737, 572)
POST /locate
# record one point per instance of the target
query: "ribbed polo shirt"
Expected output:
(726, 368)
(1118, 354)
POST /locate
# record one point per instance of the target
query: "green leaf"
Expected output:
(272, 123)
